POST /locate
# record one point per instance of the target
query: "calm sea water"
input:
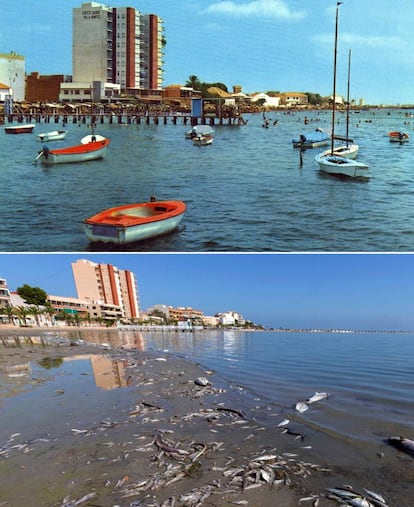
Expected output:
(248, 191)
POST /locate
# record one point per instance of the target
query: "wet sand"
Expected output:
(161, 439)
(166, 441)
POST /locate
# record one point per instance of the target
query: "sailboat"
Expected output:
(349, 149)
(331, 162)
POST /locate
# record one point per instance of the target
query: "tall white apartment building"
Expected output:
(117, 45)
(13, 74)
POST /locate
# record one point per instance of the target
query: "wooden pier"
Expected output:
(123, 119)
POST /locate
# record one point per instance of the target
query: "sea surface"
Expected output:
(248, 191)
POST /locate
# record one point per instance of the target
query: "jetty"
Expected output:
(87, 113)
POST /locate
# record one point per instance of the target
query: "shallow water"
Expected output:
(246, 192)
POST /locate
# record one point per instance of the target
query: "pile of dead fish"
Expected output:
(176, 463)
(345, 495)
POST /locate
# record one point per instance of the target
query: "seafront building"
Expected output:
(106, 284)
(13, 74)
(4, 293)
(115, 49)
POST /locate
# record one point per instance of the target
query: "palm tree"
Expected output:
(9, 311)
(194, 82)
(50, 311)
(22, 312)
(36, 312)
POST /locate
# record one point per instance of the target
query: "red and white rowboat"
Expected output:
(398, 137)
(78, 153)
(134, 222)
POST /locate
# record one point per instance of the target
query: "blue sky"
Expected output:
(262, 45)
(364, 291)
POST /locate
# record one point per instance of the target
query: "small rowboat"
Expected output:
(199, 130)
(20, 129)
(398, 137)
(55, 135)
(92, 138)
(134, 222)
(318, 137)
(78, 153)
(203, 139)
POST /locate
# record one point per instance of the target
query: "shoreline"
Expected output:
(117, 414)
(215, 429)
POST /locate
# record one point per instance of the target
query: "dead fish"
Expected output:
(351, 497)
(360, 501)
(231, 411)
(317, 397)
(283, 423)
(201, 381)
(265, 457)
(168, 448)
(376, 496)
(402, 444)
(301, 406)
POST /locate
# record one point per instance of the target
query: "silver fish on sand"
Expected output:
(403, 444)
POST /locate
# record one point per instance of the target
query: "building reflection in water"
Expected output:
(108, 373)
(115, 338)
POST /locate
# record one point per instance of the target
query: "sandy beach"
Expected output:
(174, 435)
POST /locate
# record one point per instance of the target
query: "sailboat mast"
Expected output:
(348, 98)
(334, 78)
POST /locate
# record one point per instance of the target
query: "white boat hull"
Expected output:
(342, 166)
(120, 235)
(203, 140)
(350, 151)
(52, 136)
(68, 158)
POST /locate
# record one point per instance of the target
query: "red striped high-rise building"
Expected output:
(117, 45)
(107, 284)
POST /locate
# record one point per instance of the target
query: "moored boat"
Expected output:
(134, 222)
(313, 139)
(54, 135)
(92, 138)
(77, 153)
(197, 130)
(329, 161)
(342, 166)
(23, 128)
(398, 137)
(347, 151)
(203, 139)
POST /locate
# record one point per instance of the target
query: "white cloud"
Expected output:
(35, 28)
(367, 41)
(258, 8)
